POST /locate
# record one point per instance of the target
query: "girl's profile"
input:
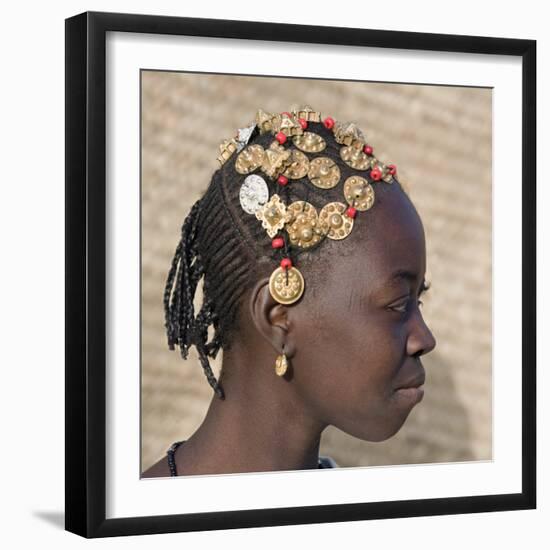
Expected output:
(312, 258)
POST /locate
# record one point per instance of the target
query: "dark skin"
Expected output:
(350, 341)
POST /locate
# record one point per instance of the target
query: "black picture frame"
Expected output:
(86, 271)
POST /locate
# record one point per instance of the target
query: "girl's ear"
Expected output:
(271, 318)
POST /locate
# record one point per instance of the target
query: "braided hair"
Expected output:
(231, 250)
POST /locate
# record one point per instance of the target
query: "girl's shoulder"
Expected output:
(159, 469)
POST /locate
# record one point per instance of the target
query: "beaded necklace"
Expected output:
(323, 461)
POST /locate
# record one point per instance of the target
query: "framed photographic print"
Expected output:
(300, 274)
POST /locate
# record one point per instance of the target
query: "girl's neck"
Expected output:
(260, 426)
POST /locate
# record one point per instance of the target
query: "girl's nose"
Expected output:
(421, 340)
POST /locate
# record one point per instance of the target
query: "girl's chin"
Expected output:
(378, 433)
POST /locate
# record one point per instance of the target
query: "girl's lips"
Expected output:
(411, 395)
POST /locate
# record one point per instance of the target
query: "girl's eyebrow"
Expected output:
(403, 274)
(396, 277)
(409, 276)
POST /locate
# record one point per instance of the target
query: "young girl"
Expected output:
(313, 258)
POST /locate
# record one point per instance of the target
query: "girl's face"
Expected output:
(359, 334)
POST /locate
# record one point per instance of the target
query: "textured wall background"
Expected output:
(440, 139)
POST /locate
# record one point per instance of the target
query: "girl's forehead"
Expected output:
(389, 240)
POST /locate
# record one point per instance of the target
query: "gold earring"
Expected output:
(281, 364)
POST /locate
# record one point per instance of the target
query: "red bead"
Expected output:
(368, 149)
(280, 137)
(328, 122)
(282, 180)
(303, 123)
(351, 212)
(376, 173)
(286, 263)
(393, 169)
(277, 242)
(287, 114)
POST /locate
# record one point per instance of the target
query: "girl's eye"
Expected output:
(403, 306)
(400, 307)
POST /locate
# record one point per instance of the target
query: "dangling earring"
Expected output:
(281, 364)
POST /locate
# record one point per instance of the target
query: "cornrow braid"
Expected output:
(180, 285)
(204, 319)
(211, 246)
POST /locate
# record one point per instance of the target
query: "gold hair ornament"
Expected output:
(304, 226)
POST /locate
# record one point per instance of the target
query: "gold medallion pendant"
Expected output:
(283, 291)
(359, 193)
(355, 157)
(323, 173)
(309, 142)
(340, 225)
(249, 159)
(303, 228)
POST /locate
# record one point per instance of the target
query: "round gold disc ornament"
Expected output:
(298, 167)
(339, 224)
(309, 142)
(323, 173)
(283, 291)
(304, 228)
(249, 159)
(359, 193)
(355, 157)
